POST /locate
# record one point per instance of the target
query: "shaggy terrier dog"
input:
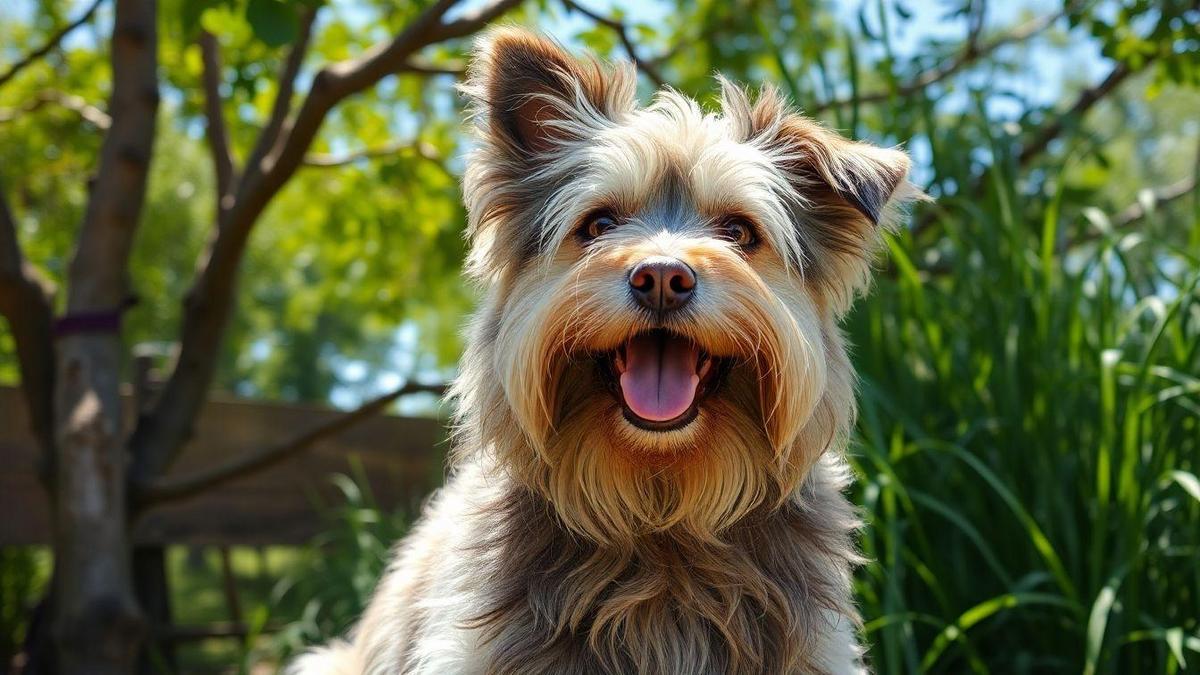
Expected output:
(656, 397)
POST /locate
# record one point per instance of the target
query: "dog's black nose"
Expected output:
(662, 284)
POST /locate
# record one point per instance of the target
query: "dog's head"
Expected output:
(660, 343)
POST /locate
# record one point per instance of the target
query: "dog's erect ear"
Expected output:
(865, 176)
(829, 170)
(533, 95)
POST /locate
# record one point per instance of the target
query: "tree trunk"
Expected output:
(96, 621)
(97, 624)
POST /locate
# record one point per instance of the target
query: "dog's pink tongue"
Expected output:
(660, 379)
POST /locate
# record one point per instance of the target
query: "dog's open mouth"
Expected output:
(660, 379)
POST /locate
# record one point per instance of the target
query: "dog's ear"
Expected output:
(533, 96)
(845, 192)
(865, 176)
(829, 170)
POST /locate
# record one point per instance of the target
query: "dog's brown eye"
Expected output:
(739, 231)
(596, 225)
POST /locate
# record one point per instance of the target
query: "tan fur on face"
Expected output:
(572, 444)
(568, 539)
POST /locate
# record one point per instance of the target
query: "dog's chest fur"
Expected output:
(524, 596)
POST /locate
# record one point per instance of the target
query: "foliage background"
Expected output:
(1030, 431)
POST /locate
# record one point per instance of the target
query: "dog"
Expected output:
(655, 399)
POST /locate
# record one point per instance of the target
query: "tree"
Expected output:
(71, 365)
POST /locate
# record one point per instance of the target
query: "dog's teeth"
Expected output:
(619, 361)
(705, 365)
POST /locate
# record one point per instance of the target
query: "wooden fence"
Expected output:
(401, 458)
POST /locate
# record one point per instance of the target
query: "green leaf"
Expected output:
(273, 22)
(190, 13)
(1188, 482)
(1174, 639)
(984, 610)
(1098, 621)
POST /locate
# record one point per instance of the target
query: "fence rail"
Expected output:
(402, 458)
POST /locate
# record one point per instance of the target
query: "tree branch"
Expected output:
(1137, 210)
(1087, 98)
(1043, 136)
(172, 488)
(1124, 218)
(282, 106)
(340, 80)
(976, 21)
(160, 436)
(470, 22)
(420, 149)
(1161, 197)
(50, 44)
(98, 271)
(76, 104)
(971, 54)
(456, 69)
(215, 131)
(622, 30)
(25, 303)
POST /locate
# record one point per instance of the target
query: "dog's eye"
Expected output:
(739, 231)
(597, 224)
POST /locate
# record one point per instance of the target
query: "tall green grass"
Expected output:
(1029, 438)
(329, 586)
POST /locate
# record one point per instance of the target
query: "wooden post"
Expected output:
(150, 562)
(157, 655)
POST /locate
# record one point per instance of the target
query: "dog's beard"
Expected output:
(612, 481)
(752, 439)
